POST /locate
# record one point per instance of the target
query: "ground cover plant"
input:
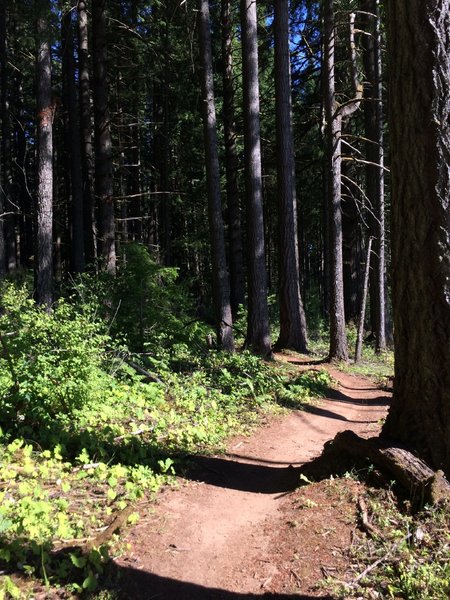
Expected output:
(88, 433)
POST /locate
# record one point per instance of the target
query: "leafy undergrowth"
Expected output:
(366, 544)
(86, 438)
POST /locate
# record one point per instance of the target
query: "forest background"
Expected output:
(176, 179)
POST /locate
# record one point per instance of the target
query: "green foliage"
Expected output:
(49, 361)
(100, 436)
(305, 387)
(410, 552)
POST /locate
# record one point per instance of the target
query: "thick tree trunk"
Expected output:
(73, 146)
(5, 121)
(87, 156)
(258, 330)
(338, 337)
(103, 143)
(419, 110)
(44, 209)
(220, 281)
(292, 315)
(236, 253)
(8, 222)
(373, 118)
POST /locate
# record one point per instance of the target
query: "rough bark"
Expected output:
(4, 120)
(220, 280)
(419, 118)
(373, 119)
(423, 485)
(87, 155)
(236, 253)
(73, 148)
(258, 331)
(44, 208)
(338, 337)
(8, 260)
(292, 315)
(103, 143)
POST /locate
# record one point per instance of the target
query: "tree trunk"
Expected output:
(338, 336)
(373, 119)
(103, 144)
(359, 338)
(73, 145)
(258, 330)
(3, 150)
(236, 253)
(220, 281)
(44, 209)
(419, 109)
(292, 315)
(87, 159)
(9, 258)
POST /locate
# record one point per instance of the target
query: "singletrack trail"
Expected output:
(208, 538)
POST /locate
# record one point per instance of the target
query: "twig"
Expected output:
(374, 565)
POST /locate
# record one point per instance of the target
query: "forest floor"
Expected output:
(236, 526)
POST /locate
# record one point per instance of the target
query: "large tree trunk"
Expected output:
(103, 143)
(292, 315)
(87, 159)
(8, 258)
(373, 118)
(44, 209)
(73, 145)
(258, 331)
(338, 337)
(419, 109)
(4, 119)
(220, 281)
(236, 253)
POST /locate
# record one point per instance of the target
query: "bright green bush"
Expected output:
(49, 362)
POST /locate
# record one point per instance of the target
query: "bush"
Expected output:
(49, 362)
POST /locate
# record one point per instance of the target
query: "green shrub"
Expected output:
(49, 361)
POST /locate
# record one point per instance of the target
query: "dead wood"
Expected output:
(422, 484)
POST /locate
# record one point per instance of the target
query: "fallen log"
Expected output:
(422, 484)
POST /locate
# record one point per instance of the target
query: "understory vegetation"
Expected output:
(395, 552)
(101, 399)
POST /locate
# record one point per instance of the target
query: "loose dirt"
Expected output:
(236, 529)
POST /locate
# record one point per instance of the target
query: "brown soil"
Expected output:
(237, 528)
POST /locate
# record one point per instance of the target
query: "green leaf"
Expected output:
(78, 561)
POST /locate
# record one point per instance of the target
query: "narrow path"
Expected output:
(202, 539)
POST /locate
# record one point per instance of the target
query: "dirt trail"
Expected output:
(206, 539)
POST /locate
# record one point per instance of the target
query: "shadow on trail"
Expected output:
(338, 396)
(141, 585)
(259, 479)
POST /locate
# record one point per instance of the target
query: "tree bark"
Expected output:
(338, 336)
(87, 156)
(73, 145)
(373, 119)
(419, 119)
(44, 209)
(236, 253)
(292, 315)
(103, 143)
(258, 330)
(359, 338)
(5, 121)
(220, 280)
